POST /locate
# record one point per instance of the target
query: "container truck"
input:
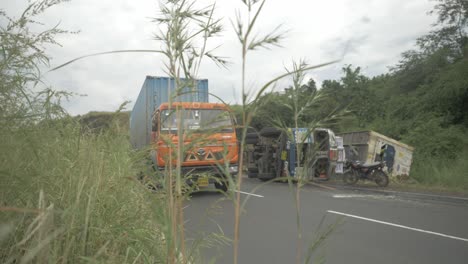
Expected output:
(206, 130)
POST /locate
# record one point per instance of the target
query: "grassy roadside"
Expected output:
(435, 176)
(407, 187)
(429, 189)
(443, 175)
(69, 196)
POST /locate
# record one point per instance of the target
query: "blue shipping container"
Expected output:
(154, 92)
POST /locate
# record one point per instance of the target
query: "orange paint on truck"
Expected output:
(208, 134)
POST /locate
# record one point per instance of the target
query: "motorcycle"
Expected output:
(355, 171)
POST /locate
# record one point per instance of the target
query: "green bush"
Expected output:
(432, 140)
(447, 173)
(99, 121)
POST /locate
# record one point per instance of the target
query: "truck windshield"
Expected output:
(197, 119)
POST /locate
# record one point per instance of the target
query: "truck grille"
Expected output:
(207, 157)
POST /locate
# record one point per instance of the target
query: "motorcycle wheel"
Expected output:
(350, 178)
(381, 178)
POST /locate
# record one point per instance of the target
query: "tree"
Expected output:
(22, 53)
(271, 107)
(450, 32)
(310, 87)
(452, 18)
(358, 97)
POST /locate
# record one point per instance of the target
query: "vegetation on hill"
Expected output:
(101, 121)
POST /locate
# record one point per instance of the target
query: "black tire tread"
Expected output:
(270, 132)
(252, 174)
(222, 186)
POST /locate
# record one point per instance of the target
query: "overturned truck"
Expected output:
(295, 152)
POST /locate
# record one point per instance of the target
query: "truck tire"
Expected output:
(252, 174)
(270, 132)
(265, 176)
(222, 186)
(251, 138)
(252, 169)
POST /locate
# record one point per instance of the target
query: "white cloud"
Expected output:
(375, 33)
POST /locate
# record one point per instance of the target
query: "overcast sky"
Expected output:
(372, 32)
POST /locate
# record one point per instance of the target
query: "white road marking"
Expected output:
(362, 196)
(400, 226)
(256, 195)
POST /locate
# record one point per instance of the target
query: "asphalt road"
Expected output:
(366, 226)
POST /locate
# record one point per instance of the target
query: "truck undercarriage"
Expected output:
(274, 153)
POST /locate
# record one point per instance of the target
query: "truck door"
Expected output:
(154, 137)
(154, 127)
(389, 157)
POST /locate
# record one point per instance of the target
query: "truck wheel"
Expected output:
(222, 186)
(270, 132)
(265, 176)
(251, 138)
(252, 174)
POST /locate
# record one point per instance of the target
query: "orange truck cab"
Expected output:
(207, 134)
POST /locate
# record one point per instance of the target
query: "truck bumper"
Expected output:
(202, 176)
(233, 170)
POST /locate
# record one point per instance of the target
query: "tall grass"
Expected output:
(445, 173)
(245, 27)
(184, 32)
(69, 196)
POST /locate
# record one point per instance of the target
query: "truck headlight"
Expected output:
(233, 169)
